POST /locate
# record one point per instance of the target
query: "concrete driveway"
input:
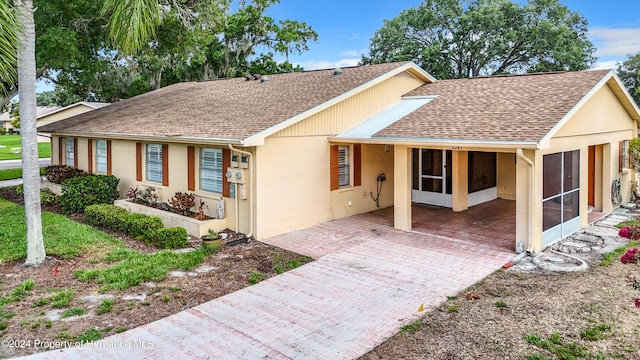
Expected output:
(368, 281)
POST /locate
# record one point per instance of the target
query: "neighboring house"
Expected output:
(58, 113)
(5, 117)
(309, 147)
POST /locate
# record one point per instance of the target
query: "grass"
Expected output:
(62, 299)
(453, 309)
(73, 312)
(105, 306)
(596, 332)
(10, 174)
(13, 141)
(501, 304)
(557, 346)
(255, 277)
(412, 326)
(134, 268)
(62, 237)
(609, 257)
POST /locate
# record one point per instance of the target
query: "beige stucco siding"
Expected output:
(293, 184)
(506, 176)
(56, 116)
(352, 111)
(601, 121)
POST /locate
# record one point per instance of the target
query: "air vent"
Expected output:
(337, 71)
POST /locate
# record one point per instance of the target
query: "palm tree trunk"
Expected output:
(29, 137)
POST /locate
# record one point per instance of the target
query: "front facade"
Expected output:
(311, 147)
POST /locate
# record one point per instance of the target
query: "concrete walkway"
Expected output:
(13, 182)
(368, 281)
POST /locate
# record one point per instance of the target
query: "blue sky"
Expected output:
(345, 27)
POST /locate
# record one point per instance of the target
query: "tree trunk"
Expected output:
(29, 137)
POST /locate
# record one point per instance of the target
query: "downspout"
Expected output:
(252, 169)
(529, 245)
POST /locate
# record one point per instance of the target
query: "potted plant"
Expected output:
(212, 240)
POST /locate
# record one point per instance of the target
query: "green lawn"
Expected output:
(10, 174)
(62, 237)
(13, 141)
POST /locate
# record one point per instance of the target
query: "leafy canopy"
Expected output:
(466, 38)
(629, 73)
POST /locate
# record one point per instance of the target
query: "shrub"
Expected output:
(630, 257)
(10, 131)
(3, 131)
(59, 173)
(169, 238)
(139, 224)
(48, 197)
(80, 192)
(182, 202)
(107, 215)
(630, 232)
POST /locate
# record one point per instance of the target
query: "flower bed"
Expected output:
(194, 227)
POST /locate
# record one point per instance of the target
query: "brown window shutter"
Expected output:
(109, 168)
(226, 162)
(165, 165)
(75, 153)
(621, 156)
(90, 155)
(357, 165)
(333, 167)
(191, 168)
(138, 161)
(60, 141)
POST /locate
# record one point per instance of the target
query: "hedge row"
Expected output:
(80, 192)
(141, 226)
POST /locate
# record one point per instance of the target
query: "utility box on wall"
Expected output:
(236, 176)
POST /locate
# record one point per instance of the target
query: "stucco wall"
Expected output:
(67, 113)
(294, 190)
(506, 176)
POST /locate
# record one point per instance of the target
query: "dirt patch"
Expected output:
(230, 269)
(501, 316)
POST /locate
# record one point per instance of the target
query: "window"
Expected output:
(69, 157)
(623, 162)
(344, 174)
(154, 162)
(342, 164)
(211, 170)
(101, 156)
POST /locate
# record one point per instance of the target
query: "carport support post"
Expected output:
(402, 187)
(460, 181)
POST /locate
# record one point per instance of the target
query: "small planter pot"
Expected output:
(212, 243)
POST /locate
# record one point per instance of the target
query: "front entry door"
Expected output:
(431, 177)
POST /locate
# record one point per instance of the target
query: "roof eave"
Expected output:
(453, 144)
(147, 138)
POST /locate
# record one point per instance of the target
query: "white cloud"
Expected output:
(618, 42)
(350, 53)
(316, 65)
(605, 65)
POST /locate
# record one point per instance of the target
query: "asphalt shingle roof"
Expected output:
(501, 108)
(220, 109)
